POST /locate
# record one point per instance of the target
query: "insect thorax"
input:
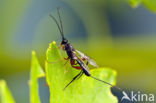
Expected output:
(70, 50)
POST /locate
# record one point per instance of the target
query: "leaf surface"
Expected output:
(35, 73)
(5, 94)
(149, 4)
(83, 90)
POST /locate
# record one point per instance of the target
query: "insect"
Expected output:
(77, 58)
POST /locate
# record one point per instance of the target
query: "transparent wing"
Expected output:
(83, 66)
(90, 61)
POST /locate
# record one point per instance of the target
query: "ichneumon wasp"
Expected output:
(77, 58)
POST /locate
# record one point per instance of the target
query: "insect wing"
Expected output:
(83, 66)
(90, 61)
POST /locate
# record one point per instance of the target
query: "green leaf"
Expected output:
(134, 3)
(36, 72)
(83, 90)
(5, 94)
(149, 4)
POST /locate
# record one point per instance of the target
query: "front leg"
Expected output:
(58, 60)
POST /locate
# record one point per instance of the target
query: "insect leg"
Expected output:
(77, 67)
(107, 83)
(87, 63)
(57, 60)
(66, 58)
(66, 68)
(66, 61)
(72, 80)
(80, 75)
(73, 64)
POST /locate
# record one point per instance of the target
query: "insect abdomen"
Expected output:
(86, 72)
(84, 68)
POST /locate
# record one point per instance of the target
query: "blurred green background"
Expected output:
(113, 32)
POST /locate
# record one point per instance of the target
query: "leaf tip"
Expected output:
(2, 82)
(54, 43)
(33, 52)
(134, 3)
(114, 72)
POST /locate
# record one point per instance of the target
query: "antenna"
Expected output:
(60, 19)
(57, 25)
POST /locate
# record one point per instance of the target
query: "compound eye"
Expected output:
(64, 41)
